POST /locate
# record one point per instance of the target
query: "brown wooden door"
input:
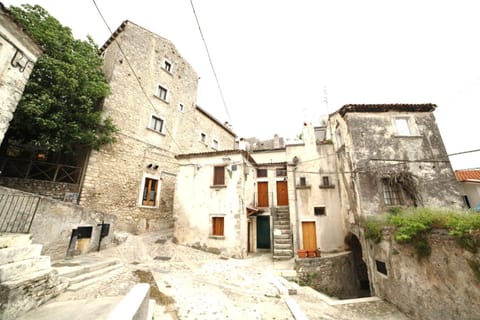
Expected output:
(262, 194)
(282, 193)
(309, 236)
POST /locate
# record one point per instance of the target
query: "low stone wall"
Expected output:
(54, 190)
(54, 221)
(333, 274)
(445, 285)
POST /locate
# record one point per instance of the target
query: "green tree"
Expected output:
(59, 109)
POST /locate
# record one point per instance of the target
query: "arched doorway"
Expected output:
(360, 266)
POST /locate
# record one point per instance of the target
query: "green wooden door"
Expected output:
(263, 232)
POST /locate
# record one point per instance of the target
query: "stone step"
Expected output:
(19, 253)
(81, 265)
(282, 241)
(94, 277)
(281, 222)
(283, 252)
(282, 246)
(94, 274)
(284, 235)
(8, 240)
(292, 287)
(282, 227)
(18, 269)
(275, 257)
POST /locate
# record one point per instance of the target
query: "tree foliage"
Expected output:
(59, 109)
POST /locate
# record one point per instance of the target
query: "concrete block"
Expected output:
(19, 253)
(8, 240)
(18, 269)
(134, 306)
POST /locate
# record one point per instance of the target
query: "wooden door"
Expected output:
(309, 236)
(263, 232)
(282, 193)
(262, 194)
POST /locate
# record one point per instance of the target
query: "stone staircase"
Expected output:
(282, 234)
(82, 271)
(26, 277)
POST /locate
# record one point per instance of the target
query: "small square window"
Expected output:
(203, 137)
(402, 127)
(167, 66)
(157, 124)
(181, 107)
(150, 188)
(262, 173)
(326, 180)
(218, 226)
(219, 175)
(215, 144)
(319, 211)
(281, 172)
(303, 181)
(162, 93)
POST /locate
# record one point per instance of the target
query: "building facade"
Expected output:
(470, 186)
(18, 54)
(153, 104)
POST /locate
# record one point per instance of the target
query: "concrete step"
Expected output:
(15, 270)
(281, 246)
(81, 265)
(19, 253)
(94, 274)
(281, 222)
(284, 235)
(94, 277)
(281, 241)
(8, 240)
(275, 257)
(283, 227)
(292, 287)
(283, 253)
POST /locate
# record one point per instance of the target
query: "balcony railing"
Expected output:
(17, 212)
(40, 170)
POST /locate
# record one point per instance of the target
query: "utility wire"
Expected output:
(462, 152)
(211, 62)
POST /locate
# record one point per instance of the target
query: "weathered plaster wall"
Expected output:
(333, 275)
(54, 221)
(115, 175)
(13, 78)
(316, 161)
(472, 191)
(442, 286)
(197, 201)
(54, 190)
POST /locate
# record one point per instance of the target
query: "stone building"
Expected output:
(470, 186)
(18, 54)
(153, 103)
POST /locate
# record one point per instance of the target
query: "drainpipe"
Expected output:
(297, 219)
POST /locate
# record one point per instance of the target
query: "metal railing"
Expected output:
(40, 170)
(17, 212)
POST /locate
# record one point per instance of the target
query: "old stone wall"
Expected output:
(54, 190)
(19, 54)
(333, 274)
(54, 221)
(445, 285)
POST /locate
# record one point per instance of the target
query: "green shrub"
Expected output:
(373, 230)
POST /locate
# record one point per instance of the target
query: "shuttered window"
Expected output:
(150, 192)
(219, 175)
(217, 226)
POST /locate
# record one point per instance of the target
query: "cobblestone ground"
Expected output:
(205, 286)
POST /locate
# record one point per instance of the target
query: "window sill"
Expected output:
(156, 131)
(163, 100)
(148, 207)
(220, 186)
(330, 186)
(303, 187)
(217, 237)
(169, 72)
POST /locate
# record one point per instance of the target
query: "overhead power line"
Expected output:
(211, 62)
(463, 152)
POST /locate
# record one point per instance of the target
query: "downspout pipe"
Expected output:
(297, 219)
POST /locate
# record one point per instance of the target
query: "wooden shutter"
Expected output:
(219, 176)
(217, 226)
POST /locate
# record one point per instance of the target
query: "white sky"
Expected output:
(275, 57)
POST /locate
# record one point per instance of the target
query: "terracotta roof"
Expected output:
(468, 175)
(398, 107)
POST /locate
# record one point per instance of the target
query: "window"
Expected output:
(402, 127)
(281, 172)
(326, 180)
(218, 226)
(319, 211)
(203, 137)
(167, 66)
(215, 144)
(219, 175)
(262, 173)
(466, 201)
(162, 93)
(391, 193)
(181, 107)
(303, 181)
(156, 124)
(150, 188)
(381, 267)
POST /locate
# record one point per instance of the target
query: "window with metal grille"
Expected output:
(219, 175)
(217, 226)
(150, 192)
(281, 172)
(162, 93)
(319, 211)
(391, 193)
(262, 173)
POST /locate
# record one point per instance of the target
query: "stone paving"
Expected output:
(206, 286)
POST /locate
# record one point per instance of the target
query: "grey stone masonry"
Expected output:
(26, 278)
(282, 234)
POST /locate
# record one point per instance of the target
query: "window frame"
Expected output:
(204, 138)
(402, 127)
(181, 107)
(167, 66)
(281, 172)
(262, 170)
(217, 226)
(392, 194)
(217, 181)
(159, 93)
(154, 118)
(215, 143)
(144, 183)
(322, 211)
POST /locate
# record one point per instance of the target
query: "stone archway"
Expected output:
(360, 266)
